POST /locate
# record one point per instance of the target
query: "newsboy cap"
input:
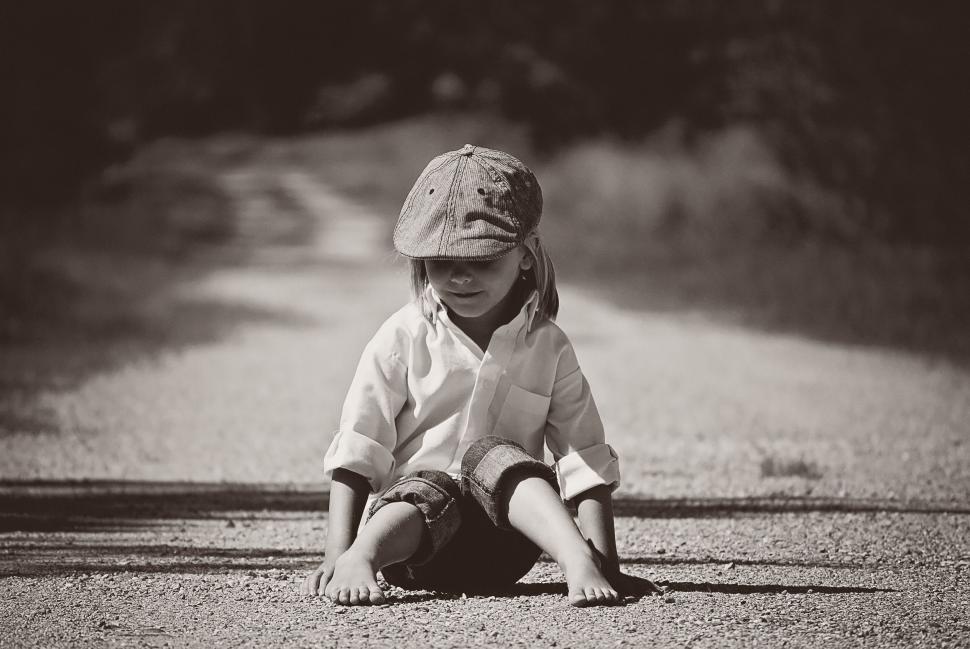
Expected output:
(473, 203)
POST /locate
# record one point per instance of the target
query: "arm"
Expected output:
(348, 494)
(594, 508)
(360, 458)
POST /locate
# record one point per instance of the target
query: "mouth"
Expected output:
(464, 295)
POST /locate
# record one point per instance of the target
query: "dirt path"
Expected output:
(784, 489)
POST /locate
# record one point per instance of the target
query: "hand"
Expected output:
(316, 582)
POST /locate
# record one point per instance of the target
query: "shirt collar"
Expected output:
(527, 313)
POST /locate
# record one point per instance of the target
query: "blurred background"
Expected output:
(792, 166)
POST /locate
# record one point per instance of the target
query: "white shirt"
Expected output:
(424, 392)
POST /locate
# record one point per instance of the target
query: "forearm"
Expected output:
(595, 512)
(348, 495)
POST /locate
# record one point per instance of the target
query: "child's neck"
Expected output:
(481, 328)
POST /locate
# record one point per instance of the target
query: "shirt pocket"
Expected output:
(523, 417)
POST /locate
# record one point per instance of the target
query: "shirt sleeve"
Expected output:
(367, 436)
(575, 436)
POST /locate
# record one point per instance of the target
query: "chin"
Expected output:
(467, 310)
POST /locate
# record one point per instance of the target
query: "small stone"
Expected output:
(668, 600)
(661, 551)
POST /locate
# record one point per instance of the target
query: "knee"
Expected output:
(428, 490)
(436, 496)
(491, 467)
(439, 479)
(482, 448)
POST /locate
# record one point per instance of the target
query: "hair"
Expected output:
(540, 278)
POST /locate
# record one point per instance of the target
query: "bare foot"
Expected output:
(354, 581)
(586, 584)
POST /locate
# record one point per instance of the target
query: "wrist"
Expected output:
(332, 551)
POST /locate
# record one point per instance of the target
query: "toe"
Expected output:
(376, 595)
(363, 595)
(577, 598)
(343, 597)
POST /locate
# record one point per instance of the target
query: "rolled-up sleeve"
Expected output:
(575, 436)
(588, 468)
(367, 436)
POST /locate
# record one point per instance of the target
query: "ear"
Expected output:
(526, 262)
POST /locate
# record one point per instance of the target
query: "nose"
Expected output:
(460, 274)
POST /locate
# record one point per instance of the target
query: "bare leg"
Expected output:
(536, 510)
(393, 534)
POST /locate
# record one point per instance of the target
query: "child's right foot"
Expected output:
(585, 584)
(354, 582)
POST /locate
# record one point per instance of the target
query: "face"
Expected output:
(474, 288)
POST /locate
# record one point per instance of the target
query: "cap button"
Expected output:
(468, 149)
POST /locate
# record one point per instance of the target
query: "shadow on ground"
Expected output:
(62, 505)
(54, 528)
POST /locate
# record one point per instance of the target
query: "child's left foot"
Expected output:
(585, 583)
(354, 581)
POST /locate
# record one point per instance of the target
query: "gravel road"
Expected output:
(786, 491)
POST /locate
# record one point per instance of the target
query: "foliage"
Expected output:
(864, 99)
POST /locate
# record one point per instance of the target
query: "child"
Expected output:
(453, 399)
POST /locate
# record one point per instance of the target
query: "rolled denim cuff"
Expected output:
(358, 453)
(588, 468)
(436, 496)
(487, 468)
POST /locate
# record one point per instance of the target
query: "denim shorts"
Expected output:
(468, 545)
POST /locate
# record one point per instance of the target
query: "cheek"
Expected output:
(436, 274)
(502, 280)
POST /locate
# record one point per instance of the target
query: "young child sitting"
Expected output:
(442, 432)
